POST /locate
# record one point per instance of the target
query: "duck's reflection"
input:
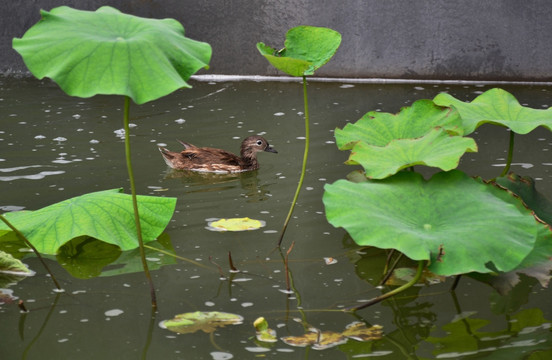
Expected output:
(207, 182)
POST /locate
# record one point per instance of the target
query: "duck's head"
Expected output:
(254, 144)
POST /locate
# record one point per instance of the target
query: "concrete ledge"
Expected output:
(506, 40)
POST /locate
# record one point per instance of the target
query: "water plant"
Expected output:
(306, 49)
(108, 52)
(452, 224)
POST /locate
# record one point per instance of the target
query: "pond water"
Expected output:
(53, 147)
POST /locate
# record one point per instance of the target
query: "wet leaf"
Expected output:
(318, 340)
(105, 215)
(235, 224)
(263, 332)
(13, 266)
(422, 134)
(358, 331)
(477, 226)
(307, 48)
(207, 322)
(499, 107)
(108, 52)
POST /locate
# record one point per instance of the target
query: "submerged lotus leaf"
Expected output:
(307, 48)
(358, 331)
(108, 52)
(404, 275)
(526, 332)
(13, 266)
(207, 322)
(105, 215)
(435, 149)
(459, 224)
(499, 107)
(318, 340)
(379, 129)
(235, 224)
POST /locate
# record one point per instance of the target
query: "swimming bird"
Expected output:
(208, 159)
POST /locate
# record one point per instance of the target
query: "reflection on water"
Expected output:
(71, 146)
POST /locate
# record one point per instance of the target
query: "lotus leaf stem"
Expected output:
(135, 202)
(304, 167)
(415, 279)
(510, 154)
(20, 235)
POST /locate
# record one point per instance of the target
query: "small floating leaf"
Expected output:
(207, 322)
(105, 215)
(263, 332)
(499, 107)
(235, 224)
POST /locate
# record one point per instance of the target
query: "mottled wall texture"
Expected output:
(422, 39)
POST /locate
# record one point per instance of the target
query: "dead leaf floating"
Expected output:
(320, 340)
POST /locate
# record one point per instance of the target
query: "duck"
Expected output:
(207, 159)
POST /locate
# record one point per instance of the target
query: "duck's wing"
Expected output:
(209, 156)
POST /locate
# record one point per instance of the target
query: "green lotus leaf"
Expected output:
(207, 322)
(105, 215)
(499, 107)
(108, 52)
(307, 48)
(412, 122)
(435, 149)
(459, 224)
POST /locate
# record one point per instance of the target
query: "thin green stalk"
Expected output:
(510, 154)
(20, 235)
(304, 167)
(135, 203)
(376, 300)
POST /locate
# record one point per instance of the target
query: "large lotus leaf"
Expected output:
(108, 52)
(497, 106)
(379, 129)
(459, 224)
(306, 49)
(436, 149)
(105, 215)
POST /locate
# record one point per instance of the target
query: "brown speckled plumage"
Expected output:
(217, 160)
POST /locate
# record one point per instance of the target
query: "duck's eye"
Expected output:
(259, 142)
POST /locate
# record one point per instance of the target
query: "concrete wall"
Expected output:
(422, 39)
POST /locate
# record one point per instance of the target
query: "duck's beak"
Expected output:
(270, 149)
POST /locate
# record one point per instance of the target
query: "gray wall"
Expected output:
(421, 39)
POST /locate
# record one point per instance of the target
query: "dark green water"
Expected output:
(53, 147)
